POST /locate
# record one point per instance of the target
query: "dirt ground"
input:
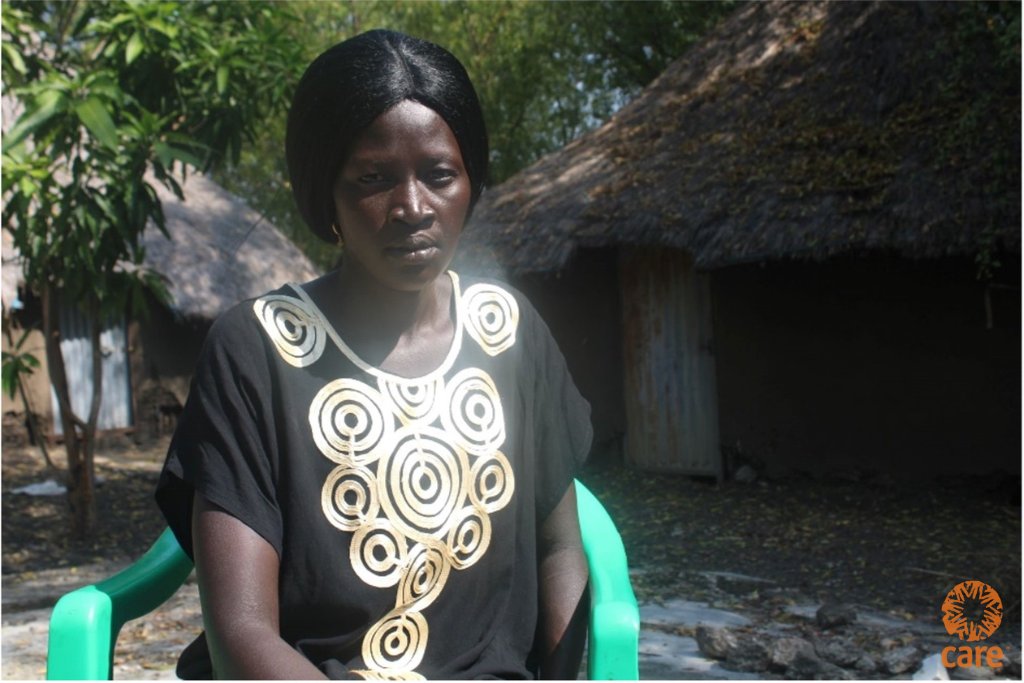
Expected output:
(875, 542)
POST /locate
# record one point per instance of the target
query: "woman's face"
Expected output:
(402, 196)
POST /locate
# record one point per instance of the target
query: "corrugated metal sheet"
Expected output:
(115, 406)
(671, 399)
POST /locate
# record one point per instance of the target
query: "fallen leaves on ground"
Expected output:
(894, 546)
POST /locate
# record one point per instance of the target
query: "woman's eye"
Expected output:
(371, 178)
(441, 176)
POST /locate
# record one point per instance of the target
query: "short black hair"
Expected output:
(347, 87)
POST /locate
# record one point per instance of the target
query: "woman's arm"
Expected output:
(564, 602)
(237, 571)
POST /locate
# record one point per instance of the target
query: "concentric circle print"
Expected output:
(295, 332)
(474, 417)
(424, 576)
(469, 535)
(387, 675)
(378, 552)
(491, 482)
(492, 316)
(349, 497)
(412, 401)
(397, 641)
(349, 423)
(422, 481)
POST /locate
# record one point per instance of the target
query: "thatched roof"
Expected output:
(221, 251)
(794, 130)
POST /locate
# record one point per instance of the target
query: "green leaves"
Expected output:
(114, 94)
(134, 48)
(16, 365)
(43, 108)
(222, 80)
(95, 117)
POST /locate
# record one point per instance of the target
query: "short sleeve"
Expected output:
(223, 444)
(563, 427)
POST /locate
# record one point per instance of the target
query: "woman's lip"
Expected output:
(412, 253)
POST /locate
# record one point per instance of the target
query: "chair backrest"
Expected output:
(86, 622)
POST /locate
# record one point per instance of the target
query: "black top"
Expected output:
(404, 511)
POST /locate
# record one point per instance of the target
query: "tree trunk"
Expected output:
(81, 477)
(88, 482)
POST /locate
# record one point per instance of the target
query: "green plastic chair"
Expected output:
(85, 623)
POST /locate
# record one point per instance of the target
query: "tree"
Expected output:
(118, 96)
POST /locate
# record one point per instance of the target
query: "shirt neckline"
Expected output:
(446, 364)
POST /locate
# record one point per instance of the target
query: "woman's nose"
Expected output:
(409, 204)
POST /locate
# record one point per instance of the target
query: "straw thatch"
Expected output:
(794, 130)
(221, 251)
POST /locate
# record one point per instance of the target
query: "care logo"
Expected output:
(972, 611)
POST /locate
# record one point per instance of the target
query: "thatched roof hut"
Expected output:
(771, 256)
(795, 130)
(221, 251)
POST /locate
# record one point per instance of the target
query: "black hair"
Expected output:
(354, 82)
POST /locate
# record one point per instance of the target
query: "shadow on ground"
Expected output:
(767, 550)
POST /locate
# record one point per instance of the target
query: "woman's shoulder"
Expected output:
(493, 302)
(472, 286)
(239, 326)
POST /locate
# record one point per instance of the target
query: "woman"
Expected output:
(373, 470)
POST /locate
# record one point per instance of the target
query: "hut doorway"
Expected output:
(75, 346)
(670, 392)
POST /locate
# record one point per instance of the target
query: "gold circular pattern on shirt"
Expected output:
(368, 675)
(469, 536)
(424, 577)
(349, 497)
(422, 481)
(396, 642)
(349, 423)
(378, 552)
(298, 336)
(419, 469)
(413, 402)
(492, 316)
(491, 482)
(474, 417)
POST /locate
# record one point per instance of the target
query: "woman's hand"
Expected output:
(238, 588)
(564, 601)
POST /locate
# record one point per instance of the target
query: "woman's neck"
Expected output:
(364, 302)
(407, 332)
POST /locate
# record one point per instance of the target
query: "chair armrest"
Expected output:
(613, 644)
(615, 626)
(85, 623)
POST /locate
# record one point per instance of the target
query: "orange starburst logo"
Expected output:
(972, 611)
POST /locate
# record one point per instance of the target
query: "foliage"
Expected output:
(116, 96)
(545, 73)
(17, 364)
